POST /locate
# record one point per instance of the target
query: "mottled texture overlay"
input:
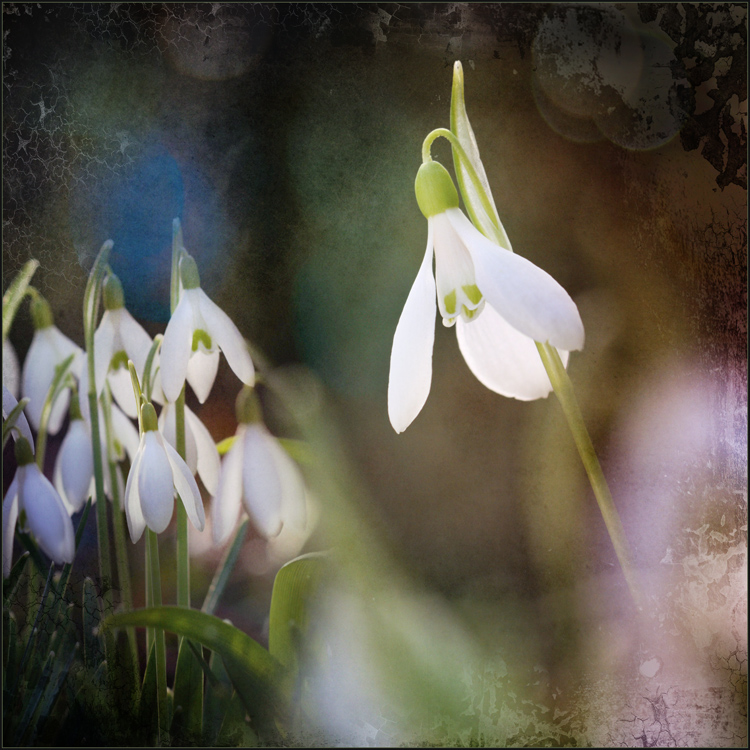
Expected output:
(287, 137)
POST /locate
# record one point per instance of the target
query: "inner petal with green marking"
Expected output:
(202, 339)
(120, 359)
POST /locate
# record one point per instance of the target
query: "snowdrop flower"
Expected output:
(196, 332)
(74, 464)
(49, 347)
(259, 474)
(32, 497)
(11, 369)
(156, 472)
(119, 338)
(202, 457)
(22, 424)
(501, 303)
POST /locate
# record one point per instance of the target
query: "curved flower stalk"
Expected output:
(196, 332)
(119, 338)
(22, 424)
(202, 457)
(11, 369)
(49, 347)
(156, 473)
(259, 474)
(32, 498)
(501, 302)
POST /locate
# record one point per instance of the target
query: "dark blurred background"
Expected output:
(287, 137)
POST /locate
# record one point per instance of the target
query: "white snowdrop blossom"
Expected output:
(196, 332)
(22, 424)
(119, 338)
(49, 348)
(11, 369)
(259, 474)
(32, 498)
(156, 473)
(501, 303)
(74, 465)
(202, 457)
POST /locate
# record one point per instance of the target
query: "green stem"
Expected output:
(161, 647)
(183, 547)
(15, 293)
(566, 396)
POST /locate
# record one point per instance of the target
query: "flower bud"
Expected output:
(435, 190)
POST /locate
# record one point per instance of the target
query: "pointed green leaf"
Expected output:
(216, 700)
(33, 703)
(93, 651)
(187, 721)
(10, 584)
(224, 571)
(11, 420)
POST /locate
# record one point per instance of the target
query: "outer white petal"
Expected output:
(38, 371)
(59, 410)
(125, 431)
(502, 358)
(168, 429)
(74, 466)
(260, 481)
(133, 512)
(225, 508)
(522, 293)
(22, 424)
(105, 340)
(10, 515)
(208, 463)
(135, 340)
(293, 502)
(411, 356)
(187, 488)
(46, 515)
(155, 483)
(227, 337)
(176, 348)
(201, 372)
(121, 385)
(11, 369)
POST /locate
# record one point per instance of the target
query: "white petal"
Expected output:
(74, 466)
(187, 488)
(225, 507)
(176, 348)
(38, 371)
(121, 385)
(293, 502)
(10, 515)
(201, 372)
(411, 356)
(22, 424)
(105, 337)
(227, 337)
(208, 462)
(168, 429)
(125, 432)
(260, 481)
(132, 502)
(502, 358)
(58, 412)
(155, 483)
(46, 515)
(522, 293)
(135, 340)
(11, 369)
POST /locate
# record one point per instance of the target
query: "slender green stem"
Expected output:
(15, 293)
(55, 388)
(183, 549)
(566, 396)
(161, 646)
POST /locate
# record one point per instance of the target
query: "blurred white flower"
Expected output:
(119, 338)
(22, 424)
(196, 332)
(259, 474)
(11, 369)
(202, 457)
(32, 497)
(156, 473)
(49, 347)
(502, 302)
(74, 465)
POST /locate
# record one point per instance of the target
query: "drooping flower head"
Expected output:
(259, 474)
(74, 464)
(156, 473)
(49, 348)
(119, 338)
(32, 500)
(196, 332)
(500, 303)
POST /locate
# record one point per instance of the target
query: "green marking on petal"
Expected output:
(473, 293)
(468, 314)
(450, 302)
(119, 360)
(201, 337)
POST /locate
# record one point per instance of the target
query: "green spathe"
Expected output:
(435, 190)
